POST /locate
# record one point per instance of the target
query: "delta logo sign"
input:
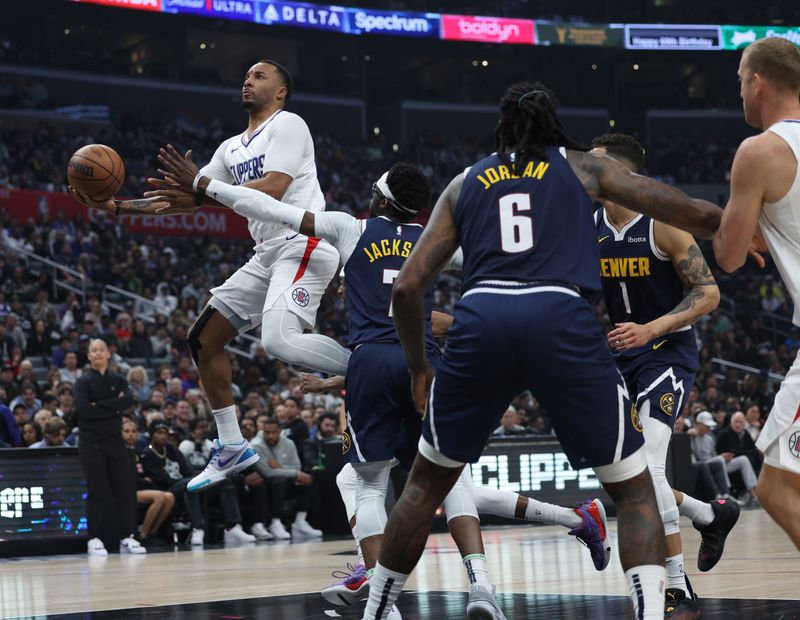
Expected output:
(488, 29)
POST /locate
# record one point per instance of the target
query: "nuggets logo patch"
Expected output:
(794, 444)
(667, 403)
(345, 442)
(301, 297)
(637, 422)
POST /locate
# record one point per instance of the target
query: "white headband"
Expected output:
(383, 187)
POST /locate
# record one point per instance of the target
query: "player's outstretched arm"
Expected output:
(140, 206)
(739, 223)
(604, 177)
(431, 253)
(702, 296)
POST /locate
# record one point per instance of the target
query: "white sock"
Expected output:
(227, 425)
(542, 512)
(300, 517)
(360, 555)
(646, 585)
(676, 578)
(699, 512)
(477, 569)
(384, 587)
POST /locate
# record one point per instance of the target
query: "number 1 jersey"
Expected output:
(535, 226)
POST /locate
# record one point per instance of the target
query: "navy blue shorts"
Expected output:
(382, 422)
(661, 372)
(546, 340)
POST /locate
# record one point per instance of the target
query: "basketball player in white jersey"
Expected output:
(282, 285)
(764, 211)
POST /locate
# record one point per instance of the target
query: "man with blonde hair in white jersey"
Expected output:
(763, 213)
(282, 285)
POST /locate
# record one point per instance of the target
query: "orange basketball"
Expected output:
(97, 171)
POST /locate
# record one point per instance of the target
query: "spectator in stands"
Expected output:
(61, 351)
(704, 453)
(14, 330)
(174, 390)
(735, 445)
(26, 374)
(197, 448)
(509, 424)
(160, 341)
(31, 434)
(280, 467)
(27, 397)
(159, 503)
(7, 382)
(139, 344)
(100, 399)
(71, 371)
(10, 436)
(313, 452)
(248, 428)
(294, 428)
(753, 426)
(40, 342)
(6, 342)
(42, 416)
(199, 406)
(165, 465)
(55, 432)
(43, 310)
(137, 380)
(66, 403)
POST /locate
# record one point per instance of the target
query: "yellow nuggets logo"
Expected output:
(667, 403)
(345, 443)
(637, 422)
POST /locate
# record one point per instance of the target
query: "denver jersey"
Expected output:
(370, 272)
(640, 283)
(535, 227)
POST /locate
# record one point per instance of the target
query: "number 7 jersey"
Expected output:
(532, 227)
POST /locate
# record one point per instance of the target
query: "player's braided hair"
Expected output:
(529, 123)
(410, 188)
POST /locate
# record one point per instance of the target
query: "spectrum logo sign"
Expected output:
(488, 29)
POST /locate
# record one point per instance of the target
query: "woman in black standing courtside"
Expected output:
(101, 396)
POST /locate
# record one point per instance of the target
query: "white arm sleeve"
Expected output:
(216, 168)
(341, 230)
(456, 262)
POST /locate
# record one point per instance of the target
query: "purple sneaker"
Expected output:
(593, 533)
(352, 587)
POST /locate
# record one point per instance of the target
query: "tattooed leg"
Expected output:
(410, 522)
(641, 532)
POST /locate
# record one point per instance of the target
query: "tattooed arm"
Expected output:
(141, 206)
(604, 177)
(437, 244)
(702, 298)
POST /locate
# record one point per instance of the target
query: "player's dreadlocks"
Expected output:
(529, 123)
(410, 188)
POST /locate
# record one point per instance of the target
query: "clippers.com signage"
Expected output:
(488, 29)
(214, 223)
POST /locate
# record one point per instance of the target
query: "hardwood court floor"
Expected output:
(757, 579)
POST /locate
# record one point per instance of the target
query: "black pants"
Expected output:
(282, 489)
(111, 484)
(194, 502)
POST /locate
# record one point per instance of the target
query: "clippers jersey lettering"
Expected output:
(370, 273)
(282, 144)
(640, 283)
(528, 228)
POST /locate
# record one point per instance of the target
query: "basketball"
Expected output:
(97, 171)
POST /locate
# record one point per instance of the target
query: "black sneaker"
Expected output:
(678, 606)
(726, 514)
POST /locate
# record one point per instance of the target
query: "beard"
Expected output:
(248, 104)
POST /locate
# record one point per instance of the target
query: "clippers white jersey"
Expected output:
(282, 143)
(780, 221)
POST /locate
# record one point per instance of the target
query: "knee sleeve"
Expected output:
(657, 436)
(460, 501)
(371, 485)
(193, 337)
(347, 481)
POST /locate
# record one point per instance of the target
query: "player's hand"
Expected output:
(757, 248)
(104, 205)
(629, 336)
(420, 388)
(310, 384)
(177, 168)
(175, 199)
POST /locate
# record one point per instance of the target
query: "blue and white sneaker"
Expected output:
(225, 461)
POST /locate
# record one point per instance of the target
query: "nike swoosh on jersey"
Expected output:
(657, 346)
(601, 239)
(290, 237)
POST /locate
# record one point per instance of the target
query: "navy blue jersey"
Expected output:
(529, 228)
(370, 273)
(640, 283)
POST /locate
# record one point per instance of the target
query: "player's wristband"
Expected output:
(196, 181)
